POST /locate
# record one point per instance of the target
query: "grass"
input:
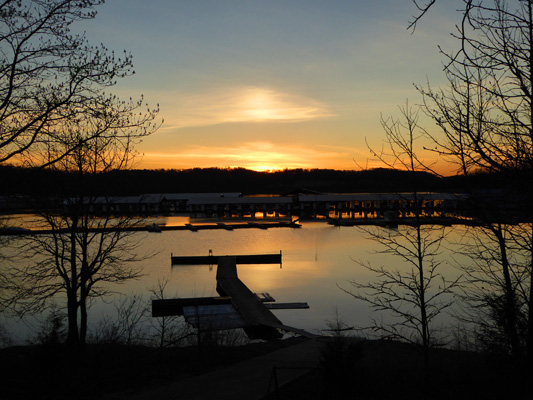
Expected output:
(385, 370)
(351, 369)
(112, 371)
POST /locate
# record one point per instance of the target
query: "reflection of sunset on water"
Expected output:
(267, 278)
(316, 260)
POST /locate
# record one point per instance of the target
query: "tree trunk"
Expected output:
(422, 294)
(529, 343)
(72, 316)
(84, 276)
(422, 288)
(72, 290)
(83, 317)
(510, 297)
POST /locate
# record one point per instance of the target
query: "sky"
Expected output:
(273, 84)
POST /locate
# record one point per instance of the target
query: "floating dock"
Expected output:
(260, 322)
(237, 306)
(240, 259)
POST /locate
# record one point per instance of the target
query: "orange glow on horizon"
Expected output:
(442, 168)
(266, 168)
(258, 156)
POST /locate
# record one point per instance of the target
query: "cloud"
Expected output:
(243, 104)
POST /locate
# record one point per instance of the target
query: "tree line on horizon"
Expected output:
(44, 182)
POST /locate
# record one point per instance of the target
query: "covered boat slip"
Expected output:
(238, 306)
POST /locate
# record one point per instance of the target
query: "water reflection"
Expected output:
(316, 259)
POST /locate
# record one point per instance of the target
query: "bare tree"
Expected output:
(493, 289)
(48, 75)
(169, 331)
(422, 8)
(485, 112)
(485, 116)
(411, 295)
(5, 339)
(53, 109)
(84, 253)
(126, 326)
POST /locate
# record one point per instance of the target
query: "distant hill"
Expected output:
(16, 180)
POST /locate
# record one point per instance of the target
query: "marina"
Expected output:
(270, 207)
(230, 211)
(237, 307)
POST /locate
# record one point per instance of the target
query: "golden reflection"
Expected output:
(265, 278)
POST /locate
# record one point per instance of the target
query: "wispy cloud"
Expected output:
(242, 104)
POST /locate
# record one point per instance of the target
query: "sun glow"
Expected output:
(266, 168)
(268, 105)
(241, 105)
(258, 156)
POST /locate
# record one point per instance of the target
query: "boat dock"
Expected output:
(237, 306)
(259, 320)
(239, 259)
(16, 231)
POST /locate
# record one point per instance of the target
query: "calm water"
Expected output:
(317, 258)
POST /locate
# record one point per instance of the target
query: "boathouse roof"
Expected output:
(377, 197)
(242, 200)
(188, 196)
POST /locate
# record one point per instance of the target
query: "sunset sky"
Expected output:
(272, 84)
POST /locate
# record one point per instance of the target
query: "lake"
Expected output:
(316, 259)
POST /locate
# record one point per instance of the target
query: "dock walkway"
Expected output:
(259, 319)
(247, 379)
(246, 307)
(256, 315)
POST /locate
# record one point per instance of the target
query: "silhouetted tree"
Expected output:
(500, 267)
(411, 295)
(485, 115)
(422, 8)
(48, 76)
(126, 326)
(84, 253)
(169, 331)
